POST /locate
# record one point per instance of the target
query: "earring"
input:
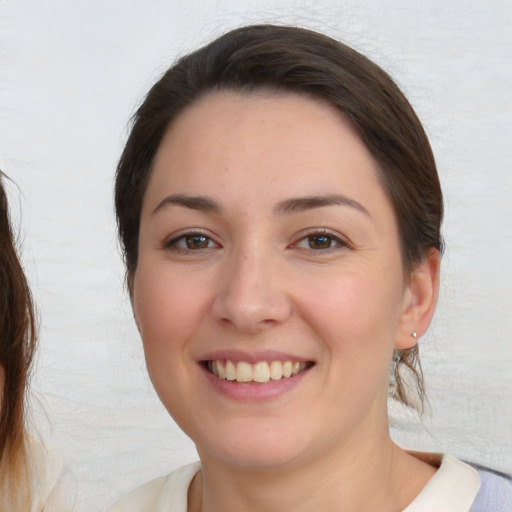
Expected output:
(414, 335)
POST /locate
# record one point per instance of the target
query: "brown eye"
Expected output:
(197, 242)
(320, 242)
(190, 242)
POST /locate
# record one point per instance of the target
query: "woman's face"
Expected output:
(267, 245)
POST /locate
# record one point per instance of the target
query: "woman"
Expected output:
(279, 210)
(27, 471)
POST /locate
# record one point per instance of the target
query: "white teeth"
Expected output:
(220, 369)
(276, 370)
(259, 372)
(287, 369)
(243, 372)
(230, 371)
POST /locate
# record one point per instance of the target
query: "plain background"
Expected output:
(71, 74)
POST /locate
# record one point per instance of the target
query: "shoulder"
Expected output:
(495, 494)
(167, 493)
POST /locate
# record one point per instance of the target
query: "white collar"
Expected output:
(452, 489)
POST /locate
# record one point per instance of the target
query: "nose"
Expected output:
(252, 296)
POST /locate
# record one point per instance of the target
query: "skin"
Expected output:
(261, 284)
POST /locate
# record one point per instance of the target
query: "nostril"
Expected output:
(251, 296)
(251, 314)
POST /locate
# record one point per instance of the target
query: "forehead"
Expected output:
(287, 138)
(257, 117)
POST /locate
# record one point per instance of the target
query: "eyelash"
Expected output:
(335, 242)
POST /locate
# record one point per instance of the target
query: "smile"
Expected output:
(260, 372)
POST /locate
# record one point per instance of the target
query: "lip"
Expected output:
(253, 391)
(252, 357)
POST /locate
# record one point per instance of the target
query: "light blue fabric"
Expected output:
(495, 494)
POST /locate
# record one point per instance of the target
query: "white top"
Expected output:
(452, 489)
(45, 467)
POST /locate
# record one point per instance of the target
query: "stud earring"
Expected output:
(414, 335)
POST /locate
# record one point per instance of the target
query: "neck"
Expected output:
(338, 480)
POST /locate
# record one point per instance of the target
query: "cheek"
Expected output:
(356, 305)
(356, 316)
(166, 306)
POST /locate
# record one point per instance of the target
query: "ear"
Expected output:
(420, 301)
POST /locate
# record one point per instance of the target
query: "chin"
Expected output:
(262, 458)
(262, 448)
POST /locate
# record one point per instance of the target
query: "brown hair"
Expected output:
(291, 59)
(17, 345)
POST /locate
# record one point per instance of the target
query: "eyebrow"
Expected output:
(200, 203)
(292, 205)
(300, 204)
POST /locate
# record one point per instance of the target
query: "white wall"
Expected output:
(71, 74)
